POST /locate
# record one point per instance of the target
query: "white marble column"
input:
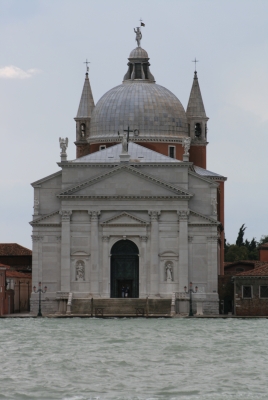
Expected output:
(183, 250)
(154, 265)
(212, 274)
(105, 267)
(65, 250)
(143, 270)
(94, 251)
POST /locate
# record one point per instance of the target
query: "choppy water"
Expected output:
(133, 359)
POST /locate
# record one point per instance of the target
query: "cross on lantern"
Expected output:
(87, 62)
(195, 61)
(136, 133)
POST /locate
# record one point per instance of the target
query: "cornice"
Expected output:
(47, 178)
(208, 180)
(140, 139)
(37, 220)
(209, 219)
(131, 163)
(82, 197)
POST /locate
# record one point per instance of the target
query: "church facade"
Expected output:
(136, 213)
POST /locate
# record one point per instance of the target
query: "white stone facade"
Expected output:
(164, 206)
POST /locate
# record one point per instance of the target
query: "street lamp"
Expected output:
(39, 290)
(191, 303)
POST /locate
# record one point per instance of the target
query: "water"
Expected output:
(133, 359)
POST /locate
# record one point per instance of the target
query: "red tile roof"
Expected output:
(264, 245)
(16, 274)
(14, 249)
(4, 266)
(260, 270)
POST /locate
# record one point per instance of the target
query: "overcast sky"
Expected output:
(44, 44)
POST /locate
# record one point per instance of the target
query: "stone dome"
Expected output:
(138, 53)
(152, 109)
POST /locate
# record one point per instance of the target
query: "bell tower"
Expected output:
(83, 118)
(197, 125)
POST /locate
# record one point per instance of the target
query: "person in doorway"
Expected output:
(123, 291)
(127, 292)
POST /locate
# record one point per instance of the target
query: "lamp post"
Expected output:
(39, 290)
(191, 302)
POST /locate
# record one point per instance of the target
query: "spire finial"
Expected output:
(195, 61)
(87, 62)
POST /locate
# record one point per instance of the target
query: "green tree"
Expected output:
(236, 253)
(263, 239)
(240, 237)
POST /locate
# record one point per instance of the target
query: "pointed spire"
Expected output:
(86, 103)
(195, 106)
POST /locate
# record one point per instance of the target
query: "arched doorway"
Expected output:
(125, 268)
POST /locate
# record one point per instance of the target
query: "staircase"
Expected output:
(121, 307)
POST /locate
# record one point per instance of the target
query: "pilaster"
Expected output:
(183, 249)
(154, 267)
(65, 250)
(105, 266)
(96, 272)
(212, 286)
(36, 259)
(143, 270)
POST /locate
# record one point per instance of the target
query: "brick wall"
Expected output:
(254, 306)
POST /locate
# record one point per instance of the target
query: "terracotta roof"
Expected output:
(260, 270)
(16, 274)
(228, 264)
(14, 249)
(264, 245)
(4, 266)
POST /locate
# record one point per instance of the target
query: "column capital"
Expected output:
(65, 215)
(143, 238)
(154, 215)
(212, 238)
(105, 238)
(94, 215)
(183, 215)
(37, 238)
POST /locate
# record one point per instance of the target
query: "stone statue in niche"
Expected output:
(80, 271)
(169, 271)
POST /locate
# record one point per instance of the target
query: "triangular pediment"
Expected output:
(48, 219)
(124, 218)
(196, 218)
(125, 182)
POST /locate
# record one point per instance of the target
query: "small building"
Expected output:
(2, 288)
(226, 284)
(18, 286)
(251, 292)
(19, 258)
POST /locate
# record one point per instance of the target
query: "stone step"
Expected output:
(122, 307)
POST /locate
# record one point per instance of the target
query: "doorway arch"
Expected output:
(125, 268)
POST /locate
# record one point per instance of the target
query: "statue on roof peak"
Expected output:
(138, 36)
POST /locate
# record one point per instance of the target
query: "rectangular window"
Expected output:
(247, 292)
(102, 147)
(171, 151)
(264, 292)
